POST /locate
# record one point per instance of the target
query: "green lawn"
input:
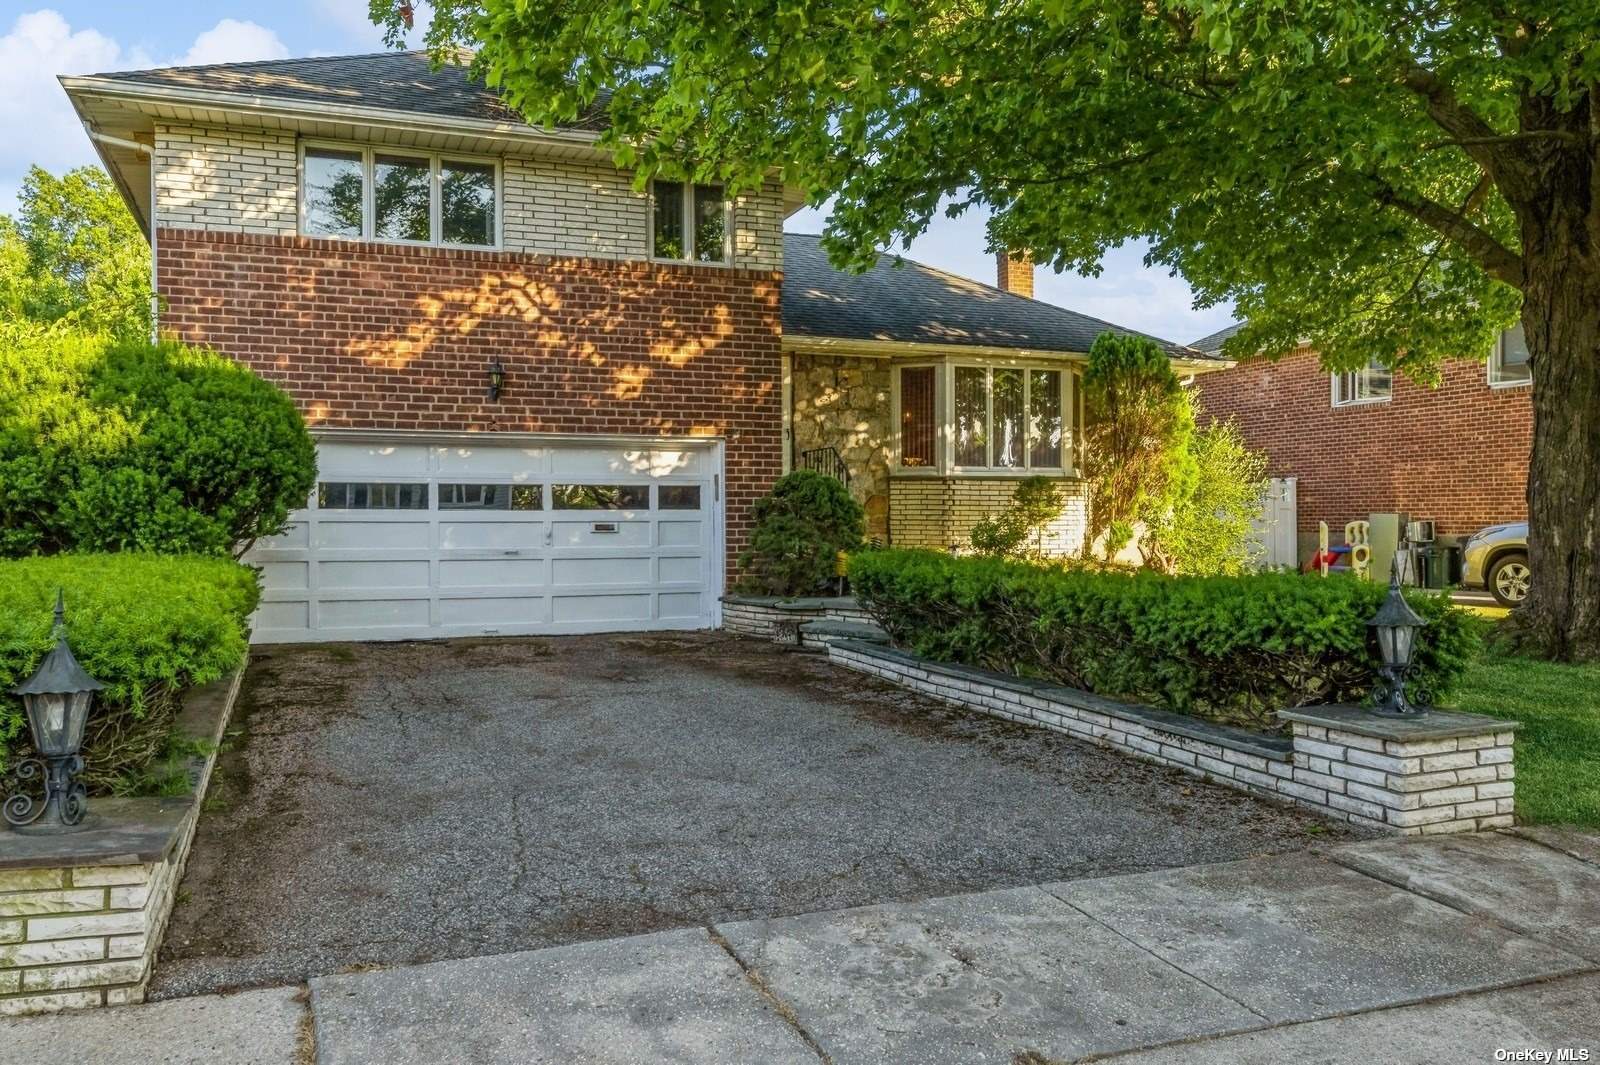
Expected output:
(1558, 747)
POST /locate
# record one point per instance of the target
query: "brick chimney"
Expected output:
(1015, 272)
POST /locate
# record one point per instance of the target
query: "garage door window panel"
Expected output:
(460, 496)
(600, 496)
(371, 495)
(678, 497)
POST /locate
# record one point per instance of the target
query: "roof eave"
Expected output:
(257, 104)
(885, 349)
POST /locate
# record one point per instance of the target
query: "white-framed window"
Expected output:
(1372, 384)
(399, 195)
(1007, 418)
(689, 223)
(917, 410)
(1508, 365)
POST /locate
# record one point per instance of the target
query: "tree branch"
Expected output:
(1485, 144)
(1500, 262)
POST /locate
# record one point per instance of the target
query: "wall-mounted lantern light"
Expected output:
(1396, 624)
(497, 378)
(57, 699)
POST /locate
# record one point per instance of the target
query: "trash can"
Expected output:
(1435, 565)
(1452, 565)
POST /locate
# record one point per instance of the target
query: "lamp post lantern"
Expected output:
(57, 699)
(1396, 624)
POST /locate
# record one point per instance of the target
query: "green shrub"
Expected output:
(1137, 427)
(1205, 528)
(146, 626)
(1018, 531)
(108, 446)
(800, 528)
(1231, 649)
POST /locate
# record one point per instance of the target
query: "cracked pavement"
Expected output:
(395, 804)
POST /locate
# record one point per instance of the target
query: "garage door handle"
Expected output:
(511, 553)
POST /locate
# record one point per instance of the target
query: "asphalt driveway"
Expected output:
(388, 804)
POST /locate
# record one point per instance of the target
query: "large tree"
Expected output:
(1390, 179)
(74, 255)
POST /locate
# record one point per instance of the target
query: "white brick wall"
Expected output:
(231, 180)
(78, 936)
(243, 181)
(1447, 785)
(750, 616)
(938, 512)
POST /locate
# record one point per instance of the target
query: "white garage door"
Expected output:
(416, 539)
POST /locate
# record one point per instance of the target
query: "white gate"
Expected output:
(1276, 531)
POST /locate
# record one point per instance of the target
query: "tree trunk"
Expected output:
(1561, 314)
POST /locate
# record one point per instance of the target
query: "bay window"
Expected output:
(688, 222)
(919, 417)
(1008, 418)
(401, 196)
(998, 418)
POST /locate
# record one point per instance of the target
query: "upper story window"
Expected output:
(997, 417)
(1508, 365)
(1373, 384)
(408, 197)
(689, 222)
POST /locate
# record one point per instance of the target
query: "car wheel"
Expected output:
(1508, 579)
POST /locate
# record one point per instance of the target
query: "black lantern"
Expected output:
(1396, 624)
(497, 378)
(57, 699)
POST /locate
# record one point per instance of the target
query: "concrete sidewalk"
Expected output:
(1432, 950)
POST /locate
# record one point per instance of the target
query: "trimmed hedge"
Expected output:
(132, 446)
(147, 626)
(1230, 649)
(800, 528)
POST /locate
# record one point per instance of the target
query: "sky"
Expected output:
(37, 125)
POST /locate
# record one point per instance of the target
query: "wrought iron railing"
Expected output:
(826, 461)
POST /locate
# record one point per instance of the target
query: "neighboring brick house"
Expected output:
(544, 400)
(1375, 442)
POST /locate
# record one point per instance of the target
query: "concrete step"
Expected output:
(819, 634)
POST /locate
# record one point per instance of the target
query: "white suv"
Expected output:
(1496, 558)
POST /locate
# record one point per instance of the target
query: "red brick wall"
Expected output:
(1457, 454)
(368, 335)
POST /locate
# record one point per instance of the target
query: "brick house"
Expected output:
(545, 400)
(1373, 442)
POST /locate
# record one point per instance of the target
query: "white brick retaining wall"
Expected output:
(1446, 772)
(82, 915)
(772, 617)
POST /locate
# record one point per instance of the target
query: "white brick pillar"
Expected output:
(1436, 772)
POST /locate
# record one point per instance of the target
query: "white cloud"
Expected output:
(37, 122)
(35, 116)
(232, 41)
(352, 19)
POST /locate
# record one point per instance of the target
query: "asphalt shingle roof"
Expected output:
(393, 81)
(903, 300)
(1212, 343)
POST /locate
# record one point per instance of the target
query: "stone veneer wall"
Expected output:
(843, 402)
(1445, 773)
(86, 932)
(939, 512)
